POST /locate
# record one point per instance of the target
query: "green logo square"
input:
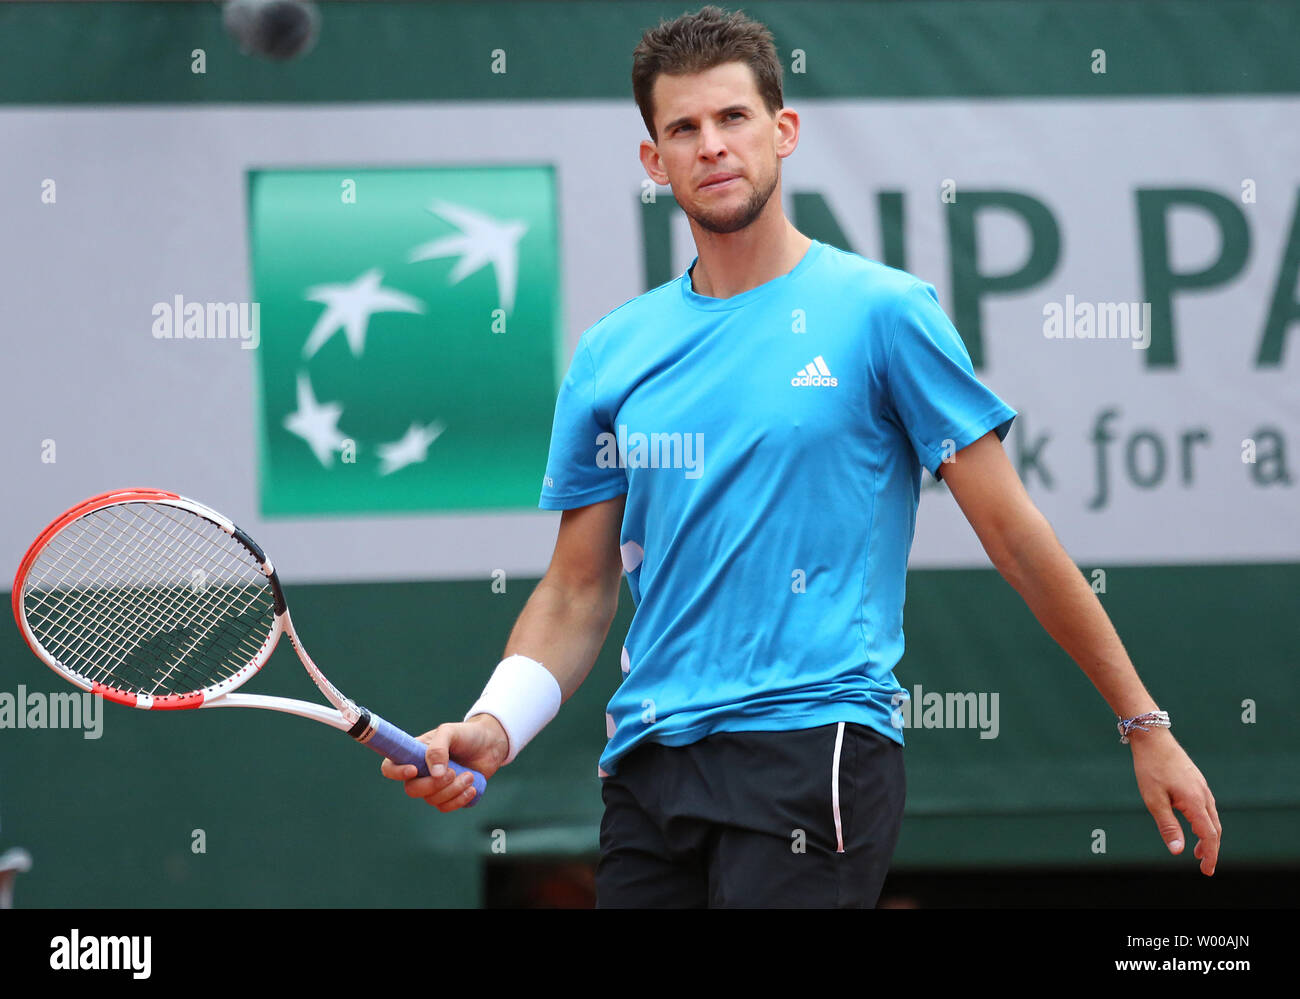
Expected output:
(410, 337)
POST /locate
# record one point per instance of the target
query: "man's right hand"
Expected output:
(480, 743)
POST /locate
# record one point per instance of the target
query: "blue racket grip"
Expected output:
(389, 740)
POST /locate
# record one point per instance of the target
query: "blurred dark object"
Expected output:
(562, 883)
(12, 863)
(274, 29)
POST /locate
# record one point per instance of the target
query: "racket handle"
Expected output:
(389, 740)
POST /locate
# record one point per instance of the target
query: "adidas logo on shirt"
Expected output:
(815, 374)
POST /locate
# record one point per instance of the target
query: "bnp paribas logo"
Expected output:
(410, 337)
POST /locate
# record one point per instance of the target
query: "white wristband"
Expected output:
(523, 695)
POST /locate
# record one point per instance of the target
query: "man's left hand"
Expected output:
(1168, 780)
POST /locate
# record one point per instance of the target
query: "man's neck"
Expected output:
(738, 262)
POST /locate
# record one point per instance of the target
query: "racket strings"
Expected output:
(123, 592)
(78, 549)
(119, 593)
(150, 599)
(232, 559)
(91, 552)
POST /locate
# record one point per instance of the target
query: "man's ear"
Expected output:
(788, 121)
(649, 155)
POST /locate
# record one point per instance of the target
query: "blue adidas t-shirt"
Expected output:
(770, 445)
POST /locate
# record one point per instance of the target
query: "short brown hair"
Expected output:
(697, 42)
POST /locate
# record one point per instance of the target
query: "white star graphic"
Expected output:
(349, 308)
(315, 423)
(482, 240)
(413, 447)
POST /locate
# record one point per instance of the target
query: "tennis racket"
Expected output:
(157, 602)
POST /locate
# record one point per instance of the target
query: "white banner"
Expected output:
(109, 211)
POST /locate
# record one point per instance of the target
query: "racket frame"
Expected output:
(345, 714)
(210, 695)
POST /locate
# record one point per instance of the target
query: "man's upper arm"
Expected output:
(985, 485)
(587, 552)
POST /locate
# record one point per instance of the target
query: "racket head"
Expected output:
(149, 598)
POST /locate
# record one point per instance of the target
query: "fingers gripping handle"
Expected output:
(389, 740)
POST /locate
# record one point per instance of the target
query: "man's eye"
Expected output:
(730, 114)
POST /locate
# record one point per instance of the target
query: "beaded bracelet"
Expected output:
(1155, 718)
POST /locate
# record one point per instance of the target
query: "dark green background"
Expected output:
(296, 815)
(140, 52)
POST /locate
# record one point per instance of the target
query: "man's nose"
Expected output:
(711, 140)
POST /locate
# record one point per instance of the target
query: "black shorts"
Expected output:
(753, 819)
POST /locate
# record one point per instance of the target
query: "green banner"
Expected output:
(491, 50)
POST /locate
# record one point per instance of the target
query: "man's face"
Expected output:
(711, 123)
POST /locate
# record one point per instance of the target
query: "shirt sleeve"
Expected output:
(931, 382)
(577, 473)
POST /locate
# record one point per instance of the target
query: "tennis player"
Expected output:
(745, 443)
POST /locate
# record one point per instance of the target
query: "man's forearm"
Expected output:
(1054, 589)
(564, 630)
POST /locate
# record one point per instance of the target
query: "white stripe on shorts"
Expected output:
(835, 789)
